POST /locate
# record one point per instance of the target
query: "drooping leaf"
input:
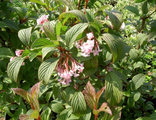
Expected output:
(25, 35)
(46, 50)
(132, 9)
(77, 13)
(73, 33)
(115, 45)
(137, 81)
(46, 69)
(14, 67)
(42, 42)
(6, 53)
(113, 91)
(22, 93)
(104, 107)
(78, 103)
(115, 18)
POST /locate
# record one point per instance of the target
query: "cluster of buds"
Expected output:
(18, 53)
(88, 47)
(67, 68)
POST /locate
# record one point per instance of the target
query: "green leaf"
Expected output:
(10, 24)
(46, 69)
(41, 42)
(46, 114)
(137, 81)
(137, 96)
(74, 13)
(138, 65)
(73, 33)
(65, 113)
(78, 103)
(56, 106)
(133, 53)
(38, 2)
(6, 53)
(48, 96)
(141, 38)
(46, 50)
(132, 9)
(115, 45)
(14, 67)
(49, 29)
(34, 54)
(115, 18)
(89, 14)
(25, 35)
(113, 91)
(145, 7)
(144, 118)
(34, 114)
(152, 36)
(138, 1)
(25, 53)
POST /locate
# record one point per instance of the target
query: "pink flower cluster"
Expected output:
(66, 71)
(42, 19)
(88, 47)
(18, 54)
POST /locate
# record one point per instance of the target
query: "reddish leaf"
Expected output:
(104, 107)
(22, 93)
(24, 117)
(99, 93)
(35, 90)
(90, 89)
(90, 100)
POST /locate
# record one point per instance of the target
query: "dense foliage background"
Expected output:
(78, 59)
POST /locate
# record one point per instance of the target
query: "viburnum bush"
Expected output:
(78, 60)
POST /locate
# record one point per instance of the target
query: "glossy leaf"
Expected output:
(113, 91)
(99, 93)
(14, 67)
(10, 24)
(78, 103)
(46, 69)
(137, 96)
(38, 2)
(73, 33)
(56, 106)
(137, 81)
(25, 35)
(141, 38)
(115, 45)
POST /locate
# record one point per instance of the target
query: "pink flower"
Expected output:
(87, 48)
(42, 19)
(18, 52)
(11, 0)
(67, 71)
(90, 36)
(97, 50)
(12, 58)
